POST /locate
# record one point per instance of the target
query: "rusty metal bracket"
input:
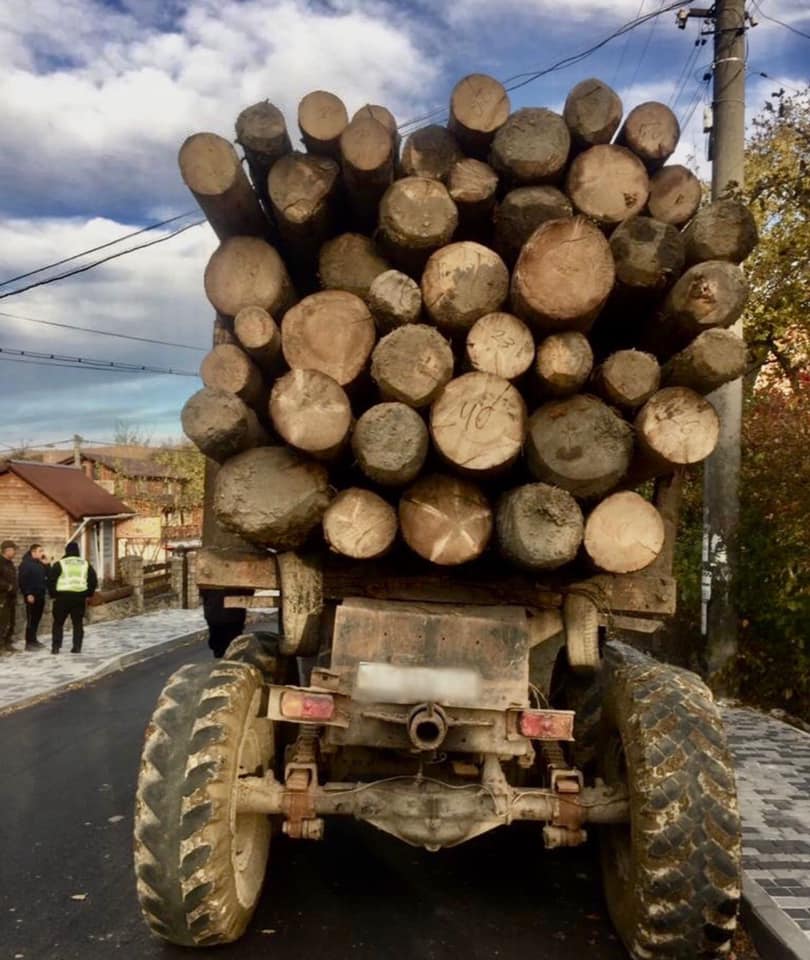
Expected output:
(300, 783)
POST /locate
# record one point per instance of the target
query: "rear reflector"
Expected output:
(300, 705)
(547, 724)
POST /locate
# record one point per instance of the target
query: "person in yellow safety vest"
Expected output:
(71, 581)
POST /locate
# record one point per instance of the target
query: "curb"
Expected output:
(774, 934)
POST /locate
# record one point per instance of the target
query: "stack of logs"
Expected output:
(476, 341)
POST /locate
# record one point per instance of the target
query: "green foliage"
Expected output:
(187, 460)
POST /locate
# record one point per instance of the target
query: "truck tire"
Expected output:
(672, 875)
(262, 652)
(199, 866)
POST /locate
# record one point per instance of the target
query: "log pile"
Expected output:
(475, 343)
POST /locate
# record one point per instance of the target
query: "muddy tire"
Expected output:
(199, 866)
(672, 876)
(260, 651)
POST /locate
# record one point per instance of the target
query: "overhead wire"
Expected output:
(640, 60)
(625, 45)
(787, 26)
(88, 363)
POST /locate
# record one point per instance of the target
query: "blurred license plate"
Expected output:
(390, 683)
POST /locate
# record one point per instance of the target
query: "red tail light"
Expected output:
(547, 724)
(300, 705)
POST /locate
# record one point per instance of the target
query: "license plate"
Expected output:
(390, 683)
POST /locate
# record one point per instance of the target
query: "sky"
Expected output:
(96, 98)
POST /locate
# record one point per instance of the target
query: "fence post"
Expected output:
(131, 569)
(176, 571)
(192, 593)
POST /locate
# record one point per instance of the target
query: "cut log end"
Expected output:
(651, 131)
(479, 107)
(501, 344)
(350, 262)
(710, 294)
(311, 412)
(675, 195)
(563, 363)
(539, 527)
(677, 427)
(713, 358)
(521, 212)
(608, 183)
(247, 272)
(461, 283)
(259, 336)
(532, 147)
(360, 524)
(628, 378)
(417, 216)
(649, 255)
(220, 424)
(472, 186)
(322, 117)
(593, 112)
(228, 367)
(624, 533)
(394, 300)
(390, 442)
(412, 364)
(724, 230)
(430, 153)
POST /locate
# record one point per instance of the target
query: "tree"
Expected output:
(187, 460)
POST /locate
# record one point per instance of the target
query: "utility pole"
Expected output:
(77, 450)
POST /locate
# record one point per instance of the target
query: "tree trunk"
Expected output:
(675, 195)
(367, 159)
(394, 299)
(302, 192)
(220, 424)
(624, 533)
(331, 331)
(445, 520)
(651, 131)
(649, 255)
(247, 272)
(539, 527)
(412, 364)
(271, 496)
(676, 427)
(563, 363)
(713, 358)
(430, 152)
(472, 186)
(724, 230)
(360, 524)
(211, 170)
(593, 112)
(479, 107)
(608, 184)
(501, 344)
(579, 444)
(563, 275)
(711, 294)
(259, 336)
(521, 212)
(417, 217)
(478, 424)
(461, 283)
(627, 378)
(311, 412)
(350, 262)
(532, 147)
(228, 367)
(390, 443)
(262, 133)
(322, 117)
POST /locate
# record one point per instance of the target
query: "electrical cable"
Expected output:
(781, 23)
(640, 60)
(625, 45)
(89, 363)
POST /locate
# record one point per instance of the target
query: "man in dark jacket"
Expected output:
(8, 594)
(33, 580)
(71, 581)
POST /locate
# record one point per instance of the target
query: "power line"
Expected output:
(88, 363)
(625, 45)
(781, 23)
(640, 60)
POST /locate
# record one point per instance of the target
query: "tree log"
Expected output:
(479, 107)
(651, 131)
(710, 294)
(677, 427)
(593, 112)
(531, 147)
(210, 168)
(259, 336)
(675, 195)
(247, 272)
(417, 217)
(331, 331)
(360, 524)
(649, 255)
(384, 116)
(627, 379)
(624, 533)
(713, 358)
(412, 364)
(478, 423)
(563, 275)
(350, 262)
(322, 117)
(390, 442)
(723, 230)
(262, 133)
(608, 183)
(579, 444)
(271, 496)
(462, 282)
(367, 159)
(430, 152)
(521, 212)
(394, 299)
(539, 527)
(228, 367)
(302, 193)
(502, 344)
(445, 520)
(563, 363)
(220, 424)
(311, 412)
(472, 186)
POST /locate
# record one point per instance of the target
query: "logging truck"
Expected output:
(454, 386)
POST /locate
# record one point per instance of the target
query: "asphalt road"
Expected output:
(69, 767)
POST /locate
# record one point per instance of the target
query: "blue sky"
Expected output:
(95, 99)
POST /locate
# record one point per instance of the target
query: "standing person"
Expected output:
(224, 623)
(71, 581)
(8, 595)
(33, 580)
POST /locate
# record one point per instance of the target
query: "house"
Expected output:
(51, 504)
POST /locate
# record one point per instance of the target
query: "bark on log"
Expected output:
(624, 533)
(322, 117)
(675, 195)
(259, 336)
(723, 230)
(563, 275)
(677, 427)
(539, 527)
(262, 133)
(331, 331)
(563, 363)
(710, 294)
(394, 300)
(472, 186)
(311, 412)
(412, 364)
(651, 131)
(228, 367)
(445, 519)
(521, 212)
(531, 147)
(608, 183)
(580, 444)
(593, 112)
(649, 255)
(461, 283)
(627, 378)
(350, 262)
(478, 424)
(390, 443)
(502, 344)
(430, 153)
(360, 524)
(417, 216)
(713, 358)
(302, 193)
(479, 107)
(367, 160)
(247, 272)
(271, 496)
(210, 168)
(220, 424)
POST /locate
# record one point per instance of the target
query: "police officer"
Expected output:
(71, 581)
(8, 595)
